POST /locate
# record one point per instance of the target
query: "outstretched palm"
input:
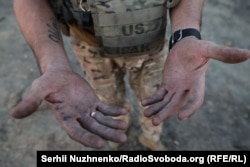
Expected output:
(183, 85)
(85, 118)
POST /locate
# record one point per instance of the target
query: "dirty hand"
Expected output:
(85, 118)
(183, 85)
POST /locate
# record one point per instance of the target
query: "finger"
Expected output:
(105, 132)
(111, 110)
(227, 54)
(73, 127)
(194, 101)
(110, 122)
(155, 108)
(29, 104)
(174, 104)
(77, 133)
(158, 96)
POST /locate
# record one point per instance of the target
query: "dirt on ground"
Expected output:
(222, 123)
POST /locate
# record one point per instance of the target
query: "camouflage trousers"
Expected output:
(106, 76)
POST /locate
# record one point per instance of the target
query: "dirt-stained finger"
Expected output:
(158, 96)
(28, 105)
(77, 133)
(155, 108)
(111, 110)
(228, 54)
(171, 108)
(193, 103)
(110, 122)
(103, 131)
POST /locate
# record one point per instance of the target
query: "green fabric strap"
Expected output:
(130, 17)
(126, 41)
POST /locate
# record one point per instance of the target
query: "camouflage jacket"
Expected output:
(123, 27)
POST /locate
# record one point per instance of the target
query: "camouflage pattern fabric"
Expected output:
(125, 5)
(106, 76)
(122, 25)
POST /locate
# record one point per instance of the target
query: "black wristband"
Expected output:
(180, 34)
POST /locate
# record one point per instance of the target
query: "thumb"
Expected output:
(29, 104)
(227, 54)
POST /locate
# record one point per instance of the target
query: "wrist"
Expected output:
(182, 33)
(50, 55)
(55, 59)
(55, 65)
(187, 14)
(178, 26)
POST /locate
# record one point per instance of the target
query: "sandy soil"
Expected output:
(222, 123)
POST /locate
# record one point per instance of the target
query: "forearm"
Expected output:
(187, 14)
(40, 29)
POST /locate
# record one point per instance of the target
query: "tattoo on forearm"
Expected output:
(53, 31)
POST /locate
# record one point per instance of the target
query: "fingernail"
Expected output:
(143, 103)
(183, 119)
(156, 121)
